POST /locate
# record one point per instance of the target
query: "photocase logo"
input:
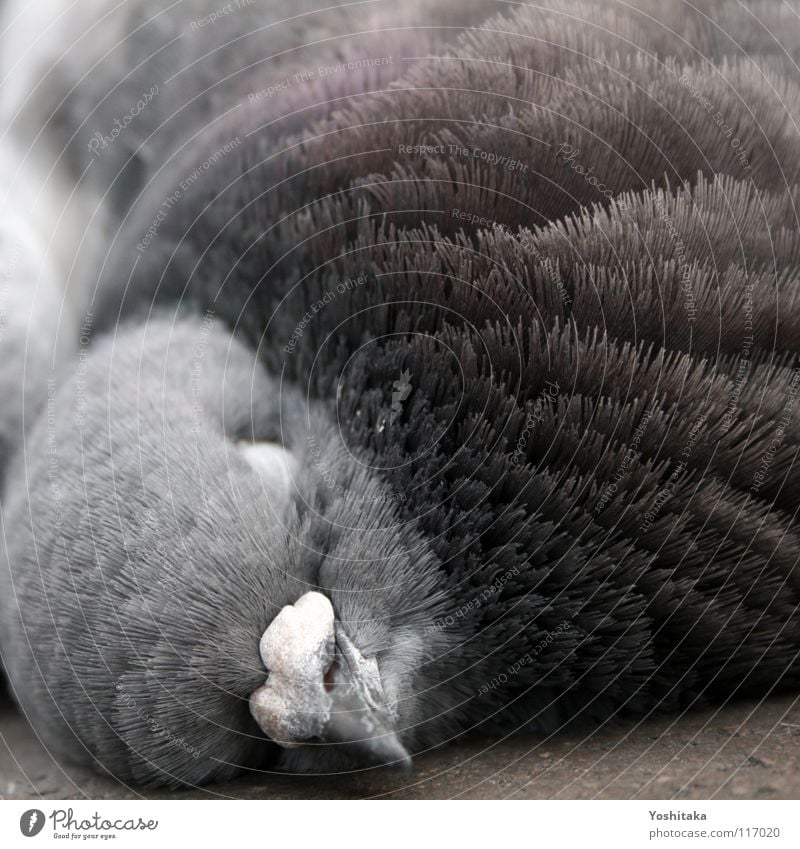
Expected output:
(31, 822)
(402, 389)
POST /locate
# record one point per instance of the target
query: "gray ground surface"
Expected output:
(747, 751)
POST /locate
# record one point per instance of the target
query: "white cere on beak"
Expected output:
(297, 649)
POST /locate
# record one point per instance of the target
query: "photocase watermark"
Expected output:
(628, 458)
(318, 73)
(477, 153)
(548, 395)
(3, 308)
(161, 217)
(552, 273)
(325, 471)
(719, 120)
(101, 142)
(195, 379)
(183, 186)
(743, 368)
(222, 12)
(63, 820)
(154, 726)
(525, 660)
(680, 254)
(187, 182)
(569, 156)
(343, 286)
(9, 263)
(80, 371)
(149, 536)
(477, 220)
(329, 478)
(470, 607)
(680, 467)
(402, 390)
(775, 443)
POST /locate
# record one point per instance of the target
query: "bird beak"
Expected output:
(359, 716)
(320, 689)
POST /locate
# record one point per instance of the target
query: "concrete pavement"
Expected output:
(742, 751)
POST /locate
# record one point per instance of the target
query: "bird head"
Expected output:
(321, 689)
(237, 611)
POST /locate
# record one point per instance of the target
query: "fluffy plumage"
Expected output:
(116, 90)
(580, 501)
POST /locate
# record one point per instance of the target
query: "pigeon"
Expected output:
(467, 404)
(142, 515)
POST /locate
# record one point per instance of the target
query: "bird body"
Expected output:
(461, 403)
